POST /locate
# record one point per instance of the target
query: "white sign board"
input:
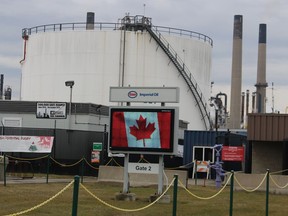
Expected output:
(51, 110)
(32, 144)
(146, 168)
(144, 94)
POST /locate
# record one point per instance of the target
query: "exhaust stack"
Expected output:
(90, 19)
(261, 84)
(236, 79)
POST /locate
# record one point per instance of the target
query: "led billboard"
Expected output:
(145, 130)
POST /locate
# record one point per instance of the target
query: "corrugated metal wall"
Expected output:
(267, 127)
(210, 138)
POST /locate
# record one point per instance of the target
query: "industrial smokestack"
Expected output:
(1, 86)
(90, 21)
(261, 71)
(236, 78)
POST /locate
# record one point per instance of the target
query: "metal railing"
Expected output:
(185, 72)
(113, 26)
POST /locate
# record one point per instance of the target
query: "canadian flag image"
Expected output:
(141, 129)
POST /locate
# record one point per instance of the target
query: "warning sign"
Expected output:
(232, 153)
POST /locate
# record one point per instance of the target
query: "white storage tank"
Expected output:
(131, 52)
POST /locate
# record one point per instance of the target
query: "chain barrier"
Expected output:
(26, 159)
(96, 168)
(43, 203)
(277, 185)
(251, 190)
(206, 198)
(127, 210)
(66, 165)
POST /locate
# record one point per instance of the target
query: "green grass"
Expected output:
(18, 197)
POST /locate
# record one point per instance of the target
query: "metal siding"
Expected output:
(267, 127)
(196, 138)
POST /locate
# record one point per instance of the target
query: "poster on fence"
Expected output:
(32, 144)
(95, 157)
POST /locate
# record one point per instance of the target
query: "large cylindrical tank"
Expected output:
(110, 56)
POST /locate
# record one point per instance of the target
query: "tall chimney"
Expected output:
(90, 21)
(236, 79)
(261, 71)
(1, 86)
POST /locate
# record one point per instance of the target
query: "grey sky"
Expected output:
(210, 17)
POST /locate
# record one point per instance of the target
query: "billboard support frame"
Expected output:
(161, 156)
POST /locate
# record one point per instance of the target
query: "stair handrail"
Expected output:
(187, 76)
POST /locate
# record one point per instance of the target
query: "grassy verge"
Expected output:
(17, 197)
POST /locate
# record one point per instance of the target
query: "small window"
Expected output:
(12, 122)
(203, 153)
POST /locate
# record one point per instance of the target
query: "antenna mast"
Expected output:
(272, 97)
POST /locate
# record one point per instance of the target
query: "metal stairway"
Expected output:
(184, 71)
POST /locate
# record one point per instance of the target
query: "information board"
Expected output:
(233, 153)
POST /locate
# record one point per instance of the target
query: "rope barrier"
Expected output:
(279, 171)
(43, 203)
(27, 159)
(116, 162)
(277, 185)
(206, 198)
(96, 168)
(127, 210)
(66, 165)
(251, 190)
(108, 162)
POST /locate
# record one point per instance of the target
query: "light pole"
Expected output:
(70, 84)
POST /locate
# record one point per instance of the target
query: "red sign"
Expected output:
(232, 153)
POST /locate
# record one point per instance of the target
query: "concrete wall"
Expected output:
(252, 181)
(267, 155)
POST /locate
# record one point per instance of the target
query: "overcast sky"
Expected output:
(211, 17)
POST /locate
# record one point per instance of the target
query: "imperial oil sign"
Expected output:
(144, 94)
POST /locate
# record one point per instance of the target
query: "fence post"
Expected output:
(231, 193)
(82, 169)
(195, 172)
(47, 170)
(75, 196)
(267, 192)
(175, 195)
(4, 163)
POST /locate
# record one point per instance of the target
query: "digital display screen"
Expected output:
(144, 130)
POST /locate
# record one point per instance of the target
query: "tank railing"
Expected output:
(182, 32)
(136, 20)
(114, 26)
(191, 81)
(68, 26)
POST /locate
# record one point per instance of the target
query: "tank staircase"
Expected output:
(185, 73)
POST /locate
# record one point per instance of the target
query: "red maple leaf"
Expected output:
(142, 131)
